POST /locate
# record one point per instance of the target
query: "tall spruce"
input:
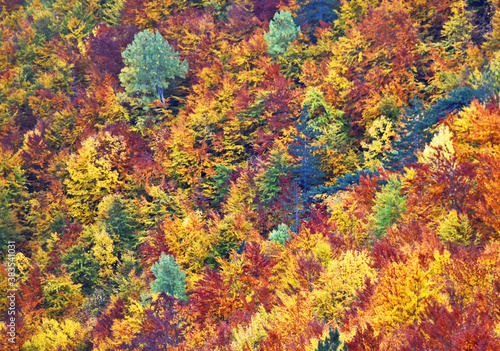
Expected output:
(304, 149)
(331, 342)
(306, 176)
(417, 125)
(312, 12)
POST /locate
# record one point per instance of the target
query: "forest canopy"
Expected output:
(250, 175)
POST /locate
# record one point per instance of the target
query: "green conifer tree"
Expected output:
(9, 226)
(306, 175)
(169, 277)
(78, 261)
(417, 124)
(332, 342)
(120, 223)
(268, 181)
(151, 65)
(280, 234)
(389, 204)
(311, 12)
(282, 31)
(221, 183)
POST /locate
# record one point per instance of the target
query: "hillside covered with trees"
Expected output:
(250, 174)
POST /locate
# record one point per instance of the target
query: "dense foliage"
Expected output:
(251, 174)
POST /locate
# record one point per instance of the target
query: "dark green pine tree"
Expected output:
(9, 226)
(306, 176)
(418, 125)
(221, 181)
(123, 225)
(304, 149)
(350, 179)
(413, 132)
(311, 12)
(294, 205)
(78, 261)
(332, 342)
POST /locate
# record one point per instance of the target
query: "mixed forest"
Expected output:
(250, 174)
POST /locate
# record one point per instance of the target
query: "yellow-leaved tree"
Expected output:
(52, 335)
(61, 295)
(291, 319)
(102, 250)
(92, 175)
(252, 334)
(190, 241)
(380, 132)
(441, 142)
(337, 286)
(404, 292)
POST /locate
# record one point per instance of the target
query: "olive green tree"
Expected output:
(282, 31)
(151, 64)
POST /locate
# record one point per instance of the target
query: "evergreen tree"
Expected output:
(220, 183)
(9, 226)
(304, 149)
(120, 223)
(332, 342)
(282, 31)
(83, 268)
(307, 176)
(412, 135)
(12, 199)
(280, 234)
(417, 125)
(389, 204)
(268, 181)
(169, 277)
(151, 65)
(350, 179)
(294, 203)
(311, 12)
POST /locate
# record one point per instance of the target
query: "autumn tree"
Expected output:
(337, 285)
(52, 334)
(453, 328)
(92, 175)
(104, 50)
(163, 326)
(61, 295)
